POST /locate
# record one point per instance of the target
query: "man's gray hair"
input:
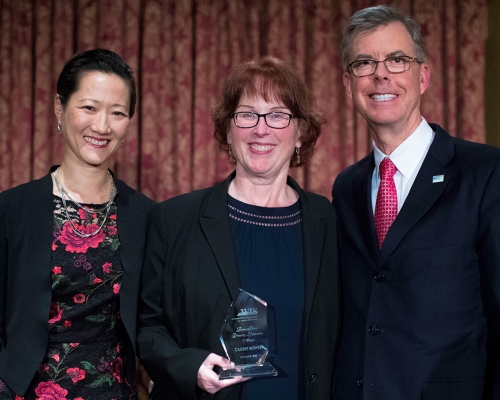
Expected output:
(371, 18)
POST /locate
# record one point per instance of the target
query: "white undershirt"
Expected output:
(408, 158)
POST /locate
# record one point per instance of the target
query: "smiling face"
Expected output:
(95, 119)
(262, 151)
(387, 100)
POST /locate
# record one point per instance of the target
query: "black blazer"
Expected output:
(26, 227)
(191, 277)
(422, 315)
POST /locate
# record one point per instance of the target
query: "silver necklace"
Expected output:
(107, 207)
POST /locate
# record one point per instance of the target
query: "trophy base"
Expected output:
(248, 370)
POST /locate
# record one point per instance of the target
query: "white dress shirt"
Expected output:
(408, 158)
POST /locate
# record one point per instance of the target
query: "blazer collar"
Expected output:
(214, 222)
(430, 182)
(132, 217)
(44, 219)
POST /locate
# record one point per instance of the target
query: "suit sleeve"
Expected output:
(171, 367)
(489, 261)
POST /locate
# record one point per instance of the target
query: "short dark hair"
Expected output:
(273, 80)
(369, 19)
(101, 60)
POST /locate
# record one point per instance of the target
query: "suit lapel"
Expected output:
(43, 219)
(361, 189)
(131, 256)
(125, 223)
(217, 229)
(423, 193)
(37, 262)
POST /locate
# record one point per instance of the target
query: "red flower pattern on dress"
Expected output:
(70, 366)
(106, 267)
(82, 213)
(116, 369)
(50, 391)
(77, 244)
(42, 367)
(79, 298)
(55, 313)
(116, 288)
(76, 374)
(19, 397)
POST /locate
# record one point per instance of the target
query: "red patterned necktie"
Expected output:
(386, 207)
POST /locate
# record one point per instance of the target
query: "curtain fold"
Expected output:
(181, 51)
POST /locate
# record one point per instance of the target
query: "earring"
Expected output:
(230, 153)
(59, 126)
(297, 151)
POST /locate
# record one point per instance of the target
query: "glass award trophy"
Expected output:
(244, 337)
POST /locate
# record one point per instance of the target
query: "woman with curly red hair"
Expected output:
(258, 231)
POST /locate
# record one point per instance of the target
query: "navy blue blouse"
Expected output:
(269, 252)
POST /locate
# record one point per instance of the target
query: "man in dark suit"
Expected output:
(420, 234)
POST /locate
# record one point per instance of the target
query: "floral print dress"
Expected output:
(85, 357)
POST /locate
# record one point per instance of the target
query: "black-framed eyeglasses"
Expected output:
(274, 119)
(394, 64)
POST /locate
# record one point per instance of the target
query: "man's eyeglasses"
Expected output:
(395, 65)
(276, 120)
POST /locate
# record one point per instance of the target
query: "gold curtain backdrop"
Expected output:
(181, 50)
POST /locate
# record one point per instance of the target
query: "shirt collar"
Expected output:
(408, 154)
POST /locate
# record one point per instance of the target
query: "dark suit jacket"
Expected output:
(422, 315)
(26, 234)
(191, 277)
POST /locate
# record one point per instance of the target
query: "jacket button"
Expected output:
(379, 277)
(373, 330)
(360, 382)
(313, 378)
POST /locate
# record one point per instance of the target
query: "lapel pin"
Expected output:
(437, 178)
